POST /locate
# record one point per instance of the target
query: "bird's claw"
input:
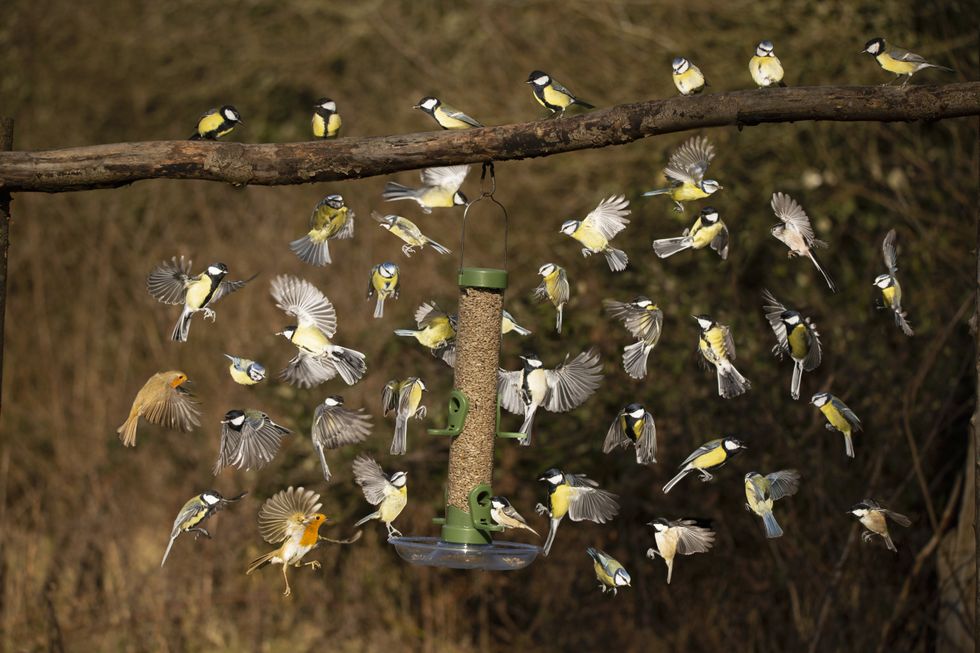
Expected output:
(314, 565)
(829, 427)
(586, 253)
(407, 250)
(652, 553)
(209, 314)
(542, 509)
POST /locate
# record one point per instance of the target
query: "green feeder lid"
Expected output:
(483, 278)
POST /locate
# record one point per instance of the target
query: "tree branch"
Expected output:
(107, 166)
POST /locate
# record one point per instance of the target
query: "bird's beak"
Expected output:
(529, 82)
(542, 478)
(416, 106)
(186, 382)
(863, 51)
(241, 122)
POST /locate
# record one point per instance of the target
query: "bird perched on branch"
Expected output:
(558, 390)
(404, 399)
(891, 291)
(331, 219)
(796, 232)
(717, 348)
(707, 458)
(873, 517)
(687, 77)
(245, 371)
(707, 231)
(839, 418)
(599, 227)
(507, 516)
(194, 513)
(553, 288)
(384, 283)
(249, 440)
(796, 336)
(685, 171)
(162, 400)
(436, 331)
(608, 571)
(388, 493)
(897, 60)
(765, 68)
(644, 320)
(551, 95)
(634, 425)
(577, 496)
(761, 491)
(215, 123)
(171, 283)
(318, 359)
(439, 190)
(409, 232)
(445, 116)
(326, 120)
(335, 426)
(679, 537)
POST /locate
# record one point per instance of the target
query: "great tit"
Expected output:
(508, 324)
(634, 425)
(558, 390)
(796, 232)
(765, 68)
(644, 320)
(897, 60)
(685, 172)
(553, 288)
(839, 418)
(408, 232)
(215, 123)
(873, 517)
(384, 283)
(172, 283)
(439, 190)
(194, 513)
(335, 426)
(761, 491)
(317, 359)
(504, 514)
(249, 440)
(436, 331)
(687, 77)
(245, 371)
(599, 227)
(388, 493)
(326, 120)
(551, 95)
(446, 116)
(608, 571)
(679, 537)
(707, 231)
(331, 219)
(404, 399)
(796, 337)
(577, 496)
(291, 519)
(891, 290)
(717, 348)
(162, 400)
(707, 458)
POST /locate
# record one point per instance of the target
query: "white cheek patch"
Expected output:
(429, 104)
(238, 421)
(231, 115)
(555, 480)
(541, 81)
(329, 106)
(215, 270)
(210, 499)
(637, 414)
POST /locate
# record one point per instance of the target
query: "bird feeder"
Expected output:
(466, 540)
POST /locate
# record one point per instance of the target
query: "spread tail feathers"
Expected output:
(310, 251)
(439, 248)
(394, 192)
(127, 432)
(674, 481)
(552, 530)
(349, 364)
(400, 441)
(903, 324)
(731, 383)
(366, 519)
(772, 526)
(617, 259)
(526, 426)
(183, 326)
(794, 387)
(261, 561)
(669, 246)
(635, 359)
(379, 307)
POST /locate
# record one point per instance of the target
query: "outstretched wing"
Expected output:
(389, 397)
(509, 389)
(792, 214)
(590, 503)
(372, 479)
(815, 354)
(302, 300)
(690, 161)
(227, 287)
(283, 514)
(899, 519)
(609, 218)
(167, 282)
(336, 426)
(774, 309)
(427, 313)
(176, 409)
(692, 538)
(890, 253)
(572, 382)
(720, 242)
(783, 483)
(449, 178)
(615, 436)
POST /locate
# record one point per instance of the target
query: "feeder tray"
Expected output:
(434, 552)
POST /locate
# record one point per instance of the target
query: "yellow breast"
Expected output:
(559, 501)
(333, 125)
(590, 238)
(311, 339)
(710, 459)
(210, 123)
(689, 81)
(687, 192)
(895, 66)
(319, 126)
(554, 98)
(703, 236)
(766, 71)
(835, 418)
(240, 377)
(799, 346)
(198, 292)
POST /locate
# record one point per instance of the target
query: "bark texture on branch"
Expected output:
(108, 166)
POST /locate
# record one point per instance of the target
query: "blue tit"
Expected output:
(245, 371)
(326, 120)
(172, 283)
(707, 458)
(384, 284)
(761, 491)
(553, 288)
(687, 77)
(405, 400)
(796, 337)
(796, 232)
(194, 513)
(685, 172)
(335, 426)
(331, 219)
(249, 440)
(679, 537)
(717, 348)
(599, 227)
(388, 492)
(508, 324)
(577, 496)
(559, 390)
(440, 189)
(215, 123)
(608, 571)
(839, 418)
(891, 290)
(644, 320)
(436, 331)
(445, 116)
(408, 232)
(707, 231)
(897, 60)
(504, 514)
(872, 516)
(633, 426)
(765, 68)
(551, 95)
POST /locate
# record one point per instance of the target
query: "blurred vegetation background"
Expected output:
(83, 522)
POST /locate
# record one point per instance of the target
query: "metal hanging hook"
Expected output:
(484, 194)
